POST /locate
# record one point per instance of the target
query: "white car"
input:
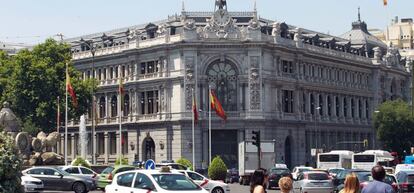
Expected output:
(31, 184)
(210, 185)
(160, 181)
(298, 170)
(81, 171)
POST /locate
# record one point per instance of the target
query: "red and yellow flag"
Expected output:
(216, 105)
(385, 2)
(71, 91)
(195, 111)
(121, 92)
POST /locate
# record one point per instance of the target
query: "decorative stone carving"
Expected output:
(254, 83)
(298, 37)
(189, 80)
(221, 25)
(393, 57)
(377, 53)
(162, 29)
(276, 29)
(189, 24)
(8, 120)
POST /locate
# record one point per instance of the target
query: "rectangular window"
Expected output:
(124, 142)
(111, 73)
(151, 67)
(112, 143)
(150, 102)
(142, 101)
(287, 66)
(99, 74)
(100, 138)
(288, 101)
(143, 67)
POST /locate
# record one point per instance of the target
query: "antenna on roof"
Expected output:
(255, 6)
(359, 14)
(183, 6)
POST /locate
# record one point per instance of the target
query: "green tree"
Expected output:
(32, 81)
(81, 162)
(217, 169)
(395, 125)
(186, 163)
(10, 165)
(121, 161)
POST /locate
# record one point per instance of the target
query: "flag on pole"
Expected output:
(216, 105)
(195, 112)
(71, 91)
(121, 92)
(385, 2)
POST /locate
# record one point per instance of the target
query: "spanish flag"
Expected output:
(70, 89)
(121, 92)
(195, 112)
(385, 2)
(216, 105)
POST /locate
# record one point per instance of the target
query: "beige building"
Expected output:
(398, 34)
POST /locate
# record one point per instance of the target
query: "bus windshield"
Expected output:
(364, 158)
(329, 158)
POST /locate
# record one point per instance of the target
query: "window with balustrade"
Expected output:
(288, 101)
(149, 102)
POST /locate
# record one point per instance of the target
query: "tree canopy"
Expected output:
(33, 79)
(395, 125)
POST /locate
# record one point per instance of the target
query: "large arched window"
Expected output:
(114, 106)
(222, 76)
(102, 107)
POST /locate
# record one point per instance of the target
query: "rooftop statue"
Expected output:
(221, 3)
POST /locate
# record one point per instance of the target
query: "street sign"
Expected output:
(150, 164)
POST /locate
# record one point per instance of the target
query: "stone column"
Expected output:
(333, 107)
(106, 147)
(71, 137)
(341, 107)
(349, 109)
(308, 102)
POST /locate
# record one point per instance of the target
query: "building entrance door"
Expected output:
(148, 149)
(224, 144)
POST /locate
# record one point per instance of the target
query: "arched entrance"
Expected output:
(288, 152)
(148, 149)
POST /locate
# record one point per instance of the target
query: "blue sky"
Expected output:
(31, 21)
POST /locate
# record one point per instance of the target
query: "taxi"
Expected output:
(162, 180)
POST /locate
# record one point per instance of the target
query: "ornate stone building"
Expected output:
(300, 88)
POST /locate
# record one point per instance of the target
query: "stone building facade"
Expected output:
(300, 88)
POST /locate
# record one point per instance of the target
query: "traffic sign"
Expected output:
(150, 164)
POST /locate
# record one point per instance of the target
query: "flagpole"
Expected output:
(193, 119)
(209, 124)
(66, 117)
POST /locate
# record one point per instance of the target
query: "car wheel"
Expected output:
(79, 187)
(217, 190)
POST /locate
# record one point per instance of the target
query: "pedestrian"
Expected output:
(258, 181)
(351, 184)
(285, 184)
(378, 186)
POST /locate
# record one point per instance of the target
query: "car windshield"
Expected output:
(62, 172)
(364, 176)
(303, 170)
(108, 170)
(318, 176)
(335, 171)
(279, 171)
(174, 182)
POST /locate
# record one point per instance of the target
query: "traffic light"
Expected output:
(256, 138)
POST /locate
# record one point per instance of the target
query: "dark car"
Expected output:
(232, 176)
(405, 181)
(275, 174)
(57, 179)
(365, 177)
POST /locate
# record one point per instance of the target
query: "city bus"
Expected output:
(335, 159)
(368, 159)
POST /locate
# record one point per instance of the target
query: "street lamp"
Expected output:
(92, 47)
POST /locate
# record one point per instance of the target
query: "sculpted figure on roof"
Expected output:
(221, 4)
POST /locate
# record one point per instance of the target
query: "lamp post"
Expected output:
(92, 48)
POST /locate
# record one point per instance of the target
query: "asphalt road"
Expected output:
(234, 188)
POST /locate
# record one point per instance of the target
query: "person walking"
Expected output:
(258, 181)
(285, 184)
(378, 186)
(351, 184)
